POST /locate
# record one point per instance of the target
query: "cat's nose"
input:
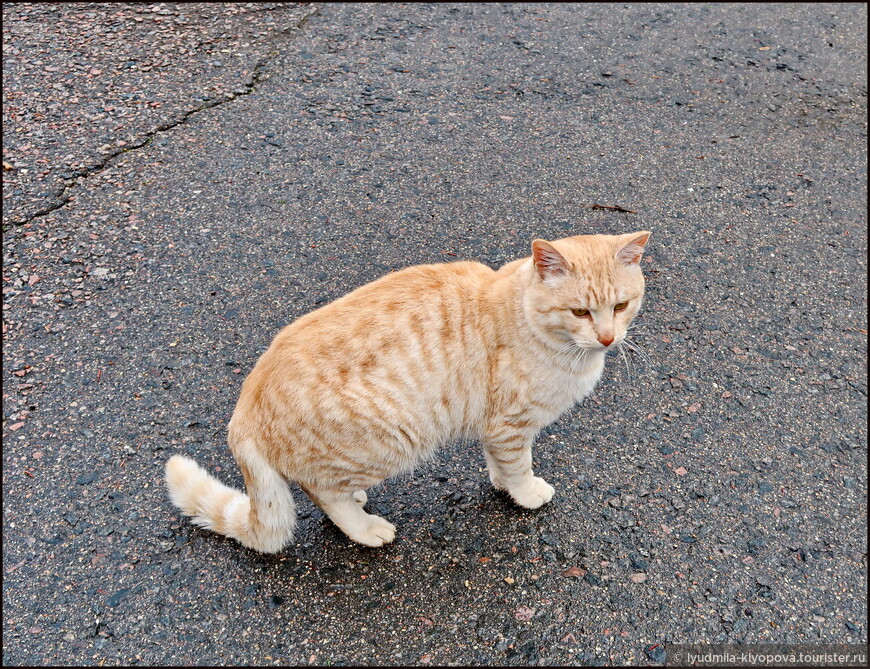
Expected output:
(607, 339)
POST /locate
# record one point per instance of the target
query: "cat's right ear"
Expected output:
(549, 262)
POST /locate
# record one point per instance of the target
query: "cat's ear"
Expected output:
(548, 261)
(631, 247)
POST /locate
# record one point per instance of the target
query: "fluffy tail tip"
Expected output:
(182, 475)
(216, 507)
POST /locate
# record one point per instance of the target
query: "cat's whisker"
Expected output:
(635, 345)
(577, 358)
(576, 355)
(635, 349)
(582, 357)
(625, 360)
(569, 350)
(570, 346)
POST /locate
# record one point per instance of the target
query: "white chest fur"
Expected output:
(566, 387)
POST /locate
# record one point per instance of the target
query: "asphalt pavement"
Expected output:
(713, 490)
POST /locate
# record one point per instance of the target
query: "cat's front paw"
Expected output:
(532, 492)
(496, 482)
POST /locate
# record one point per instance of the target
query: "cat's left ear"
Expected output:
(631, 247)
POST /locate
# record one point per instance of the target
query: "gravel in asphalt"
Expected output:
(85, 83)
(715, 491)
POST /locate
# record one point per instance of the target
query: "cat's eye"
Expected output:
(621, 306)
(580, 313)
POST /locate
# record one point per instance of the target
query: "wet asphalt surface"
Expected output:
(715, 491)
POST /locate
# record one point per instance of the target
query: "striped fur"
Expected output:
(366, 387)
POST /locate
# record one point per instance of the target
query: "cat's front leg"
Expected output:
(508, 451)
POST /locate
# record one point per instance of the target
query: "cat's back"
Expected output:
(414, 335)
(413, 297)
(407, 288)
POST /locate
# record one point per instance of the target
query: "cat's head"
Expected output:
(586, 288)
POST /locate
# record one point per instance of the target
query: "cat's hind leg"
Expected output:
(344, 508)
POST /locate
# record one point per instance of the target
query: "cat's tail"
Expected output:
(264, 519)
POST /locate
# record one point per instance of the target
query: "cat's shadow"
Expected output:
(447, 507)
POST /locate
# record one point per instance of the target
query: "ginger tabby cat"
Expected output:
(367, 386)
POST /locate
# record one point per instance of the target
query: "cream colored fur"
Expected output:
(369, 385)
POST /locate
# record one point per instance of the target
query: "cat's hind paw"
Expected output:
(376, 532)
(532, 493)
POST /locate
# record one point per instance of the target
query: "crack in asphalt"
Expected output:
(62, 197)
